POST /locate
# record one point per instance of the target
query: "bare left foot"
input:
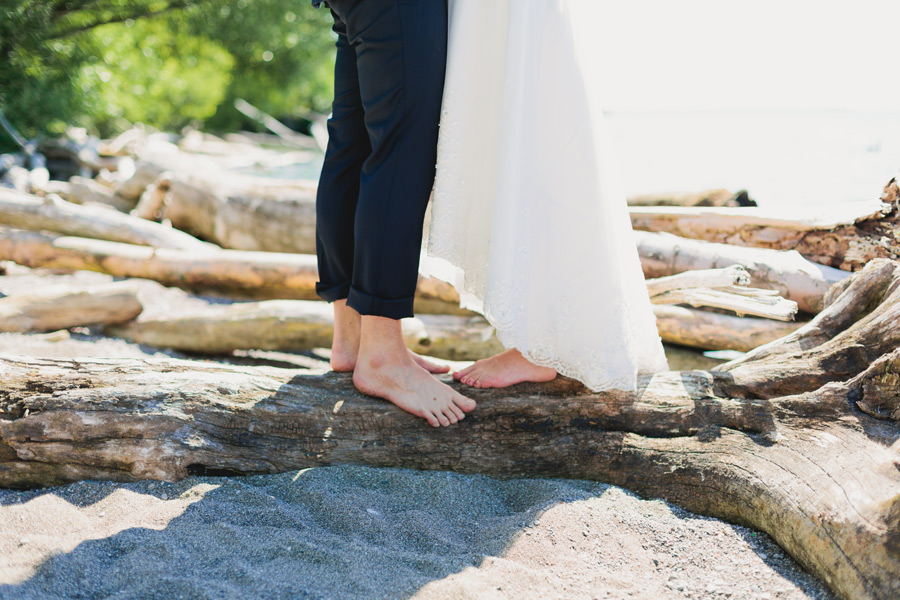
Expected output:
(503, 370)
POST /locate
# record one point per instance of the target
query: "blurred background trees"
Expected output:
(103, 64)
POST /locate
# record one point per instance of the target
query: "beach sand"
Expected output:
(357, 532)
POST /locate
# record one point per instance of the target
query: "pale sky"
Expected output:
(724, 54)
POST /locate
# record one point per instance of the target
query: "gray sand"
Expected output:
(356, 532)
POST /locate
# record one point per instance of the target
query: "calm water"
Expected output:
(801, 158)
(796, 158)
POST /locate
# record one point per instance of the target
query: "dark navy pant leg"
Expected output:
(401, 52)
(338, 192)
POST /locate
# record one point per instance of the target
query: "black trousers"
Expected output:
(380, 161)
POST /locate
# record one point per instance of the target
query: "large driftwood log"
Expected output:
(785, 271)
(267, 275)
(715, 331)
(55, 214)
(302, 325)
(241, 212)
(292, 325)
(846, 237)
(60, 307)
(799, 441)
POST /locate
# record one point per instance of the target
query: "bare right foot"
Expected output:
(412, 388)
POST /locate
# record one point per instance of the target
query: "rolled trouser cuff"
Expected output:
(332, 293)
(369, 305)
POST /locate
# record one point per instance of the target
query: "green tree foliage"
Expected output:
(283, 50)
(101, 63)
(153, 71)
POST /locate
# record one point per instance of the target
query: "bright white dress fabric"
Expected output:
(528, 220)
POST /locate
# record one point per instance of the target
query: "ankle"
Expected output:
(381, 357)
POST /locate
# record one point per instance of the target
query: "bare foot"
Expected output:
(502, 370)
(412, 388)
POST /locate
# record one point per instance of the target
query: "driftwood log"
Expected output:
(716, 331)
(841, 238)
(266, 275)
(83, 190)
(51, 213)
(60, 307)
(241, 212)
(302, 325)
(721, 288)
(450, 337)
(293, 325)
(799, 440)
(252, 213)
(785, 271)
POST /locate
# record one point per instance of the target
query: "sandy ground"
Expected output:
(356, 532)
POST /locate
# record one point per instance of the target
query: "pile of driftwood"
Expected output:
(259, 235)
(799, 438)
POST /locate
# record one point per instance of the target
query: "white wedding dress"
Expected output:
(528, 220)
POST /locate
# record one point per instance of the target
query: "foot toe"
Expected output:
(450, 416)
(457, 411)
(466, 404)
(444, 421)
(432, 419)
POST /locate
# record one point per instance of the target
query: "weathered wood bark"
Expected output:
(846, 238)
(61, 307)
(780, 444)
(718, 197)
(54, 214)
(831, 346)
(786, 271)
(714, 331)
(234, 211)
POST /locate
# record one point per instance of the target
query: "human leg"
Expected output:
(336, 198)
(400, 52)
